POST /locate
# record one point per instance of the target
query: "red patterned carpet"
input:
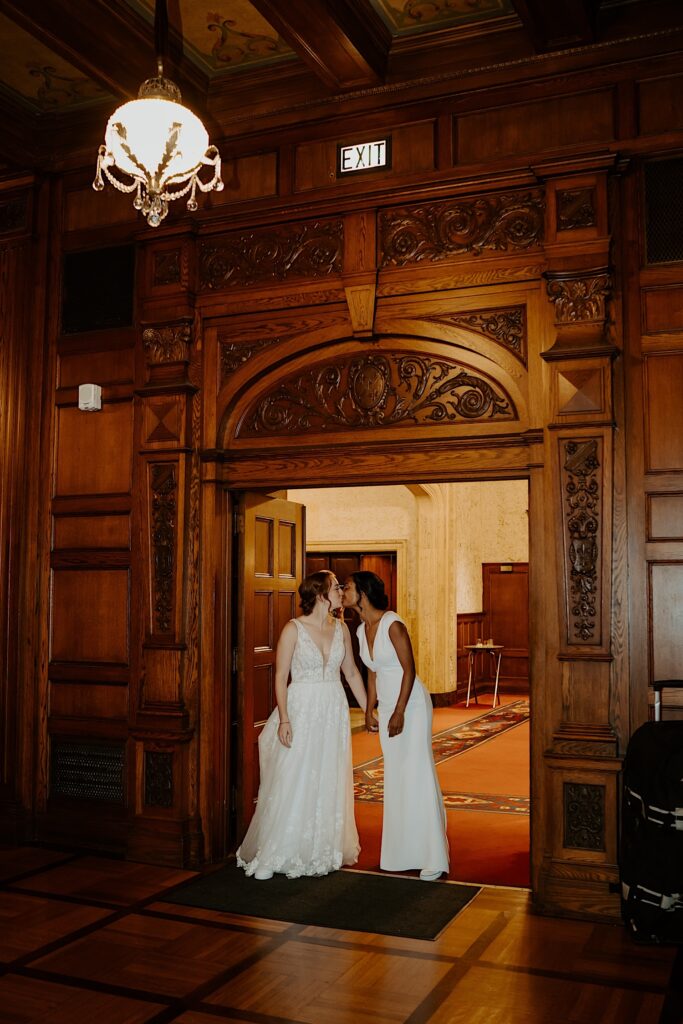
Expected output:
(482, 758)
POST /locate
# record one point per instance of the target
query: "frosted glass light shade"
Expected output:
(158, 140)
(159, 147)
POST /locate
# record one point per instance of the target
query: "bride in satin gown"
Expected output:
(304, 822)
(414, 819)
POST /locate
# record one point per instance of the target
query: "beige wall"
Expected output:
(441, 533)
(491, 525)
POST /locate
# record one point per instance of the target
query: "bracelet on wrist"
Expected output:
(286, 722)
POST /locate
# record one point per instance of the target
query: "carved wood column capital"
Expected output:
(579, 296)
(167, 350)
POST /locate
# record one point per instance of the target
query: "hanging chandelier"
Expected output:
(156, 145)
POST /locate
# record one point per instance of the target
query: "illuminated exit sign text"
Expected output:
(363, 156)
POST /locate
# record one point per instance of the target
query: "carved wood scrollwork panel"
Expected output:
(313, 249)
(158, 778)
(508, 222)
(233, 355)
(584, 816)
(507, 327)
(375, 390)
(163, 527)
(582, 507)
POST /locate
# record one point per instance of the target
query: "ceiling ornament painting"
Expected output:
(405, 16)
(38, 76)
(224, 35)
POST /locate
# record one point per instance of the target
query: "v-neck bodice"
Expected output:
(308, 662)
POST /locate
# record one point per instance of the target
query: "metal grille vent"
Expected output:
(664, 210)
(87, 771)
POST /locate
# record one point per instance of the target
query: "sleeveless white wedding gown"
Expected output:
(414, 820)
(304, 822)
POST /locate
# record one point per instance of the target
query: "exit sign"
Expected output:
(364, 156)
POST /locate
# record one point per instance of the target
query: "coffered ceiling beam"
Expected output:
(345, 44)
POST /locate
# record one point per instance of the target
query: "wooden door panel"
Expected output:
(263, 621)
(383, 564)
(287, 552)
(506, 616)
(264, 692)
(270, 570)
(263, 546)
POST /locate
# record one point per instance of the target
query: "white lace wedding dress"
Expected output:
(304, 823)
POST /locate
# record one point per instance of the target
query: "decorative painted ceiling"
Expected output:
(42, 80)
(405, 16)
(65, 56)
(219, 36)
(222, 36)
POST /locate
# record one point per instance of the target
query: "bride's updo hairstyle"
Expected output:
(318, 583)
(372, 586)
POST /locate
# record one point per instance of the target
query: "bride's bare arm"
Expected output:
(350, 670)
(398, 634)
(283, 663)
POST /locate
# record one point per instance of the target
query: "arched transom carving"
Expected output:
(376, 389)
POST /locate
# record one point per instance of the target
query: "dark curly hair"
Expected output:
(314, 585)
(372, 586)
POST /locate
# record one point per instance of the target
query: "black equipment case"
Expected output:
(651, 850)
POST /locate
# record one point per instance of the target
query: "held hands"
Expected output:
(371, 723)
(395, 727)
(284, 734)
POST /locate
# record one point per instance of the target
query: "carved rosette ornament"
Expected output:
(164, 518)
(376, 390)
(167, 344)
(579, 299)
(313, 249)
(581, 486)
(509, 222)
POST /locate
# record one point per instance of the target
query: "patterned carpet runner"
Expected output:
(369, 777)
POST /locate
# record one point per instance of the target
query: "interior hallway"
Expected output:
(87, 938)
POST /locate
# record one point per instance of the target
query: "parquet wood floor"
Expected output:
(92, 940)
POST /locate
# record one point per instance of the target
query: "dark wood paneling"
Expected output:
(90, 615)
(83, 531)
(663, 390)
(113, 367)
(94, 450)
(534, 127)
(663, 309)
(469, 630)
(660, 104)
(247, 177)
(665, 517)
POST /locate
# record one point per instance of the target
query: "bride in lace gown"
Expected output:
(304, 822)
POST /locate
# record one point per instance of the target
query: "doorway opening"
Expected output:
(456, 556)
